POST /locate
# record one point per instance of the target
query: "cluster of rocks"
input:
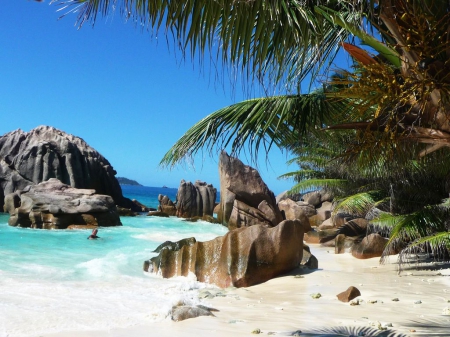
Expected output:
(261, 242)
(347, 233)
(29, 158)
(54, 205)
(193, 201)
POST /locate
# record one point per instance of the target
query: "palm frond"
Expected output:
(301, 175)
(358, 204)
(415, 226)
(254, 123)
(314, 184)
(283, 40)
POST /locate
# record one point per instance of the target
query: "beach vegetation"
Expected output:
(389, 112)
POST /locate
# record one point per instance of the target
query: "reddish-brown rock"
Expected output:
(196, 199)
(371, 246)
(243, 183)
(241, 258)
(54, 205)
(349, 294)
(166, 205)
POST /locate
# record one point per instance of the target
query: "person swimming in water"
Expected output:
(93, 236)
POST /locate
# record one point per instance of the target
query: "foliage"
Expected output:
(393, 109)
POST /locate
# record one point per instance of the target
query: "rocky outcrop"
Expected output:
(28, 158)
(296, 210)
(371, 246)
(196, 199)
(54, 205)
(244, 196)
(241, 258)
(316, 198)
(166, 205)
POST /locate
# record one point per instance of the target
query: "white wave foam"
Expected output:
(30, 308)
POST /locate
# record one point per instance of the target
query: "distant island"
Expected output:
(126, 181)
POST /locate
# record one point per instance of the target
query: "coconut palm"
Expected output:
(400, 95)
(395, 101)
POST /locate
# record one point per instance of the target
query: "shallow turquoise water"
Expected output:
(50, 279)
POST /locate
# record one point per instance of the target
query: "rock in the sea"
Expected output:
(196, 199)
(158, 213)
(54, 205)
(175, 245)
(28, 158)
(348, 295)
(166, 205)
(244, 184)
(242, 257)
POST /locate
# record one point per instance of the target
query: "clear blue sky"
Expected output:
(117, 87)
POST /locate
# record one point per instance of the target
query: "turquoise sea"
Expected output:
(58, 280)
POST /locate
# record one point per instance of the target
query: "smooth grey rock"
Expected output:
(180, 313)
(196, 199)
(29, 158)
(54, 205)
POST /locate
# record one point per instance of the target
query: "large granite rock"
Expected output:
(166, 205)
(54, 205)
(241, 188)
(195, 200)
(241, 258)
(28, 158)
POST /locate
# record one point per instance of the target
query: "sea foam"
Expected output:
(57, 280)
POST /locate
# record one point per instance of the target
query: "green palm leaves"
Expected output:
(255, 123)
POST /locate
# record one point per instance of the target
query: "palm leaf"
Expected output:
(314, 184)
(254, 123)
(283, 40)
(358, 204)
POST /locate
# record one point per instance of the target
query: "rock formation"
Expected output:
(166, 205)
(195, 200)
(245, 199)
(242, 257)
(54, 205)
(28, 158)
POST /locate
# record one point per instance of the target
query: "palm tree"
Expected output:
(395, 100)
(400, 95)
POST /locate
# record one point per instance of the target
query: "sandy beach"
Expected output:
(413, 303)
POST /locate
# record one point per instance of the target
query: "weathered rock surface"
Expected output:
(196, 199)
(28, 158)
(182, 312)
(316, 198)
(286, 195)
(371, 246)
(349, 294)
(158, 213)
(166, 205)
(352, 228)
(308, 259)
(54, 205)
(293, 210)
(175, 245)
(244, 184)
(242, 257)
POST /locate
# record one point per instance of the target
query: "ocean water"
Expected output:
(58, 280)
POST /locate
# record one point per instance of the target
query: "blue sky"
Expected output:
(119, 88)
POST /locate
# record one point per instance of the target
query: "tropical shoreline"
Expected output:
(284, 304)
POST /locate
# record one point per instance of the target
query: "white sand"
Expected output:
(285, 304)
